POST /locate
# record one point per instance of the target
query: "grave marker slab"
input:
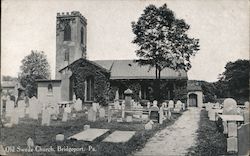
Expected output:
(229, 107)
(243, 139)
(91, 115)
(46, 117)
(89, 134)
(119, 136)
(232, 129)
(102, 113)
(232, 145)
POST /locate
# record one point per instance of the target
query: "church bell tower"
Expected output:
(71, 36)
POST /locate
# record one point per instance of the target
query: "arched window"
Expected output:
(50, 89)
(82, 35)
(67, 32)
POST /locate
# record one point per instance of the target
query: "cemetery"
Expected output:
(120, 128)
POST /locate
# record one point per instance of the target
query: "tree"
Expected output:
(34, 66)
(163, 40)
(236, 79)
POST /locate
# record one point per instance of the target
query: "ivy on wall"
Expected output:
(81, 70)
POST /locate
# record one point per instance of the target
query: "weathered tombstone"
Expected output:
(59, 137)
(109, 114)
(91, 115)
(102, 113)
(85, 127)
(123, 110)
(246, 104)
(78, 105)
(232, 129)
(149, 125)
(183, 106)
(144, 117)
(15, 117)
(212, 115)
(169, 114)
(161, 115)
(9, 108)
(232, 145)
(128, 98)
(21, 108)
(171, 104)
(229, 107)
(30, 143)
(116, 105)
(217, 105)
(65, 116)
(225, 128)
(154, 112)
(244, 139)
(67, 109)
(46, 117)
(148, 105)
(129, 119)
(164, 105)
(246, 116)
(178, 106)
(94, 106)
(74, 98)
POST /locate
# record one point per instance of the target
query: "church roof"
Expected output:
(128, 69)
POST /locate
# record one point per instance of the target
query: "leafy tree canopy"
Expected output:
(163, 40)
(34, 66)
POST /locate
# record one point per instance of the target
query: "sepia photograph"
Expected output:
(125, 78)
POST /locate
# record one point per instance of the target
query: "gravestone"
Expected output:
(119, 136)
(164, 105)
(178, 106)
(102, 113)
(67, 109)
(128, 98)
(78, 105)
(154, 112)
(9, 108)
(33, 110)
(246, 104)
(30, 143)
(229, 107)
(89, 134)
(123, 110)
(15, 117)
(85, 127)
(209, 106)
(95, 106)
(59, 137)
(144, 117)
(129, 119)
(46, 117)
(183, 106)
(116, 104)
(232, 145)
(91, 114)
(225, 128)
(161, 115)
(246, 116)
(148, 105)
(169, 114)
(212, 115)
(21, 108)
(65, 116)
(149, 125)
(244, 139)
(171, 104)
(232, 129)
(109, 114)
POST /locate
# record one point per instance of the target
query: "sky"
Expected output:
(222, 26)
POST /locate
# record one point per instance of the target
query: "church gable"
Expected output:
(90, 82)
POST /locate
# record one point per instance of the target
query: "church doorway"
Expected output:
(193, 100)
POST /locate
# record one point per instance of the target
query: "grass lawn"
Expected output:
(210, 141)
(44, 136)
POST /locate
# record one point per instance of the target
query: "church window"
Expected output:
(90, 89)
(67, 32)
(50, 89)
(82, 35)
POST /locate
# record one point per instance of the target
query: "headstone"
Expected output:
(74, 115)
(149, 125)
(46, 117)
(232, 145)
(129, 119)
(161, 115)
(67, 109)
(212, 115)
(74, 98)
(225, 128)
(183, 106)
(232, 129)
(30, 143)
(94, 106)
(65, 116)
(164, 105)
(15, 117)
(102, 113)
(154, 112)
(59, 137)
(91, 115)
(86, 127)
(109, 114)
(246, 104)
(144, 117)
(169, 114)
(171, 104)
(128, 98)
(244, 139)
(9, 108)
(229, 107)
(116, 105)
(33, 110)
(78, 105)
(246, 116)
(21, 108)
(148, 105)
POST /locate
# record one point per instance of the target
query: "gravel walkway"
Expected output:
(175, 139)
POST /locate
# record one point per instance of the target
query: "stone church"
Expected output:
(100, 80)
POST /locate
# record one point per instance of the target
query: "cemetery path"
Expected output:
(175, 139)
